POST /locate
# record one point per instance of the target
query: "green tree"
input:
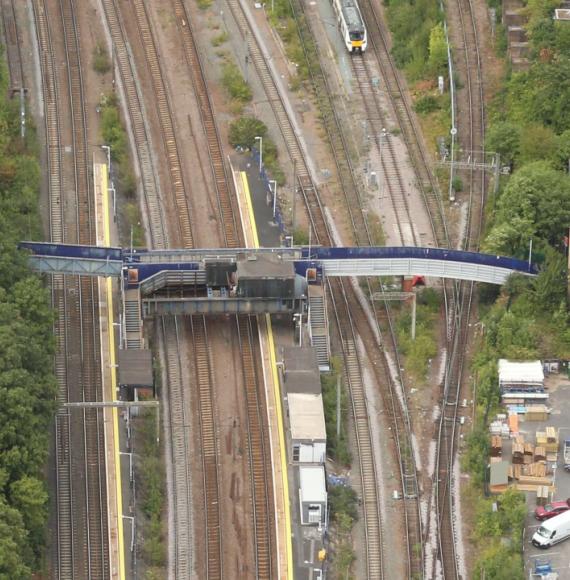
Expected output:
(244, 131)
(537, 142)
(29, 496)
(13, 549)
(535, 204)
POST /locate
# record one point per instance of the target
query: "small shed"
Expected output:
(312, 495)
(499, 477)
(135, 368)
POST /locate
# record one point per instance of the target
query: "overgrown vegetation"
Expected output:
(337, 446)
(418, 352)
(152, 496)
(101, 62)
(528, 318)
(282, 19)
(27, 385)
(343, 503)
(235, 85)
(418, 38)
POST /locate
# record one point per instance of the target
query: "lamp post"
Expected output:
(112, 188)
(383, 136)
(260, 153)
(274, 196)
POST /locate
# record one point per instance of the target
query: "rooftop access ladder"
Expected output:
(318, 326)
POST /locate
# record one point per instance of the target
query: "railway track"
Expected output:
(82, 540)
(377, 36)
(139, 129)
(13, 55)
(472, 139)
(390, 166)
(198, 327)
(259, 453)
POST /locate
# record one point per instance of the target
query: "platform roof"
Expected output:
(312, 484)
(307, 417)
(135, 367)
(520, 372)
(301, 370)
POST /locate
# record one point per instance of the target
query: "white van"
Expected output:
(552, 531)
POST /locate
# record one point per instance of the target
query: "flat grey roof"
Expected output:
(312, 484)
(265, 266)
(301, 373)
(135, 367)
(307, 417)
(499, 473)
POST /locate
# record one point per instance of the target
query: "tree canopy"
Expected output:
(27, 385)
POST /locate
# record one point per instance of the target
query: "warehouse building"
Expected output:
(301, 382)
(521, 382)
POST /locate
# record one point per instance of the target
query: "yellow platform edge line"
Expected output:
(276, 386)
(114, 410)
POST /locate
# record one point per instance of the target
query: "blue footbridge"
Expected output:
(312, 261)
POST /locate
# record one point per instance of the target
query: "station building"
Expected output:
(301, 382)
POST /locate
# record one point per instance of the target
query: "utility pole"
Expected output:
(294, 195)
(338, 407)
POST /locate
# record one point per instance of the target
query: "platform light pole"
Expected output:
(274, 196)
(260, 153)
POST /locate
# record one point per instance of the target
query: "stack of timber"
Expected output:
(536, 413)
(542, 495)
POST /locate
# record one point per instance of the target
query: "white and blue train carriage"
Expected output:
(351, 25)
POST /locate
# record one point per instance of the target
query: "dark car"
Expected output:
(552, 509)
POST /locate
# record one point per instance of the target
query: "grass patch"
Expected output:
(220, 39)
(151, 494)
(132, 223)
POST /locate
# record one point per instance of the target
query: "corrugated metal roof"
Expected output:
(312, 484)
(520, 372)
(307, 417)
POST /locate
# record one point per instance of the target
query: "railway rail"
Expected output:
(472, 138)
(13, 53)
(377, 41)
(82, 548)
(346, 307)
(260, 494)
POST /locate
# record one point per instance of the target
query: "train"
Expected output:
(351, 25)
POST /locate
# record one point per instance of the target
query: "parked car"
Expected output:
(552, 531)
(552, 509)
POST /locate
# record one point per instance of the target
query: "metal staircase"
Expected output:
(133, 319)
(318, 326)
